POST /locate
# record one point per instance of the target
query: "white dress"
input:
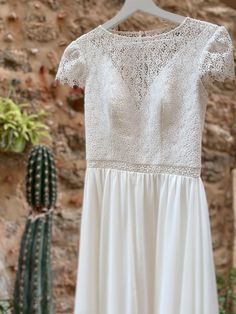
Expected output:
(145, 240)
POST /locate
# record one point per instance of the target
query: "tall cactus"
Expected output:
(33, 285)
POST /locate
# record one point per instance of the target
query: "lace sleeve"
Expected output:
(217, 60)
(72, 66)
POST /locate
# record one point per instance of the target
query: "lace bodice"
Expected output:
(146, 93)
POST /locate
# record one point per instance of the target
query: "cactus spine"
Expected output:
(33, 285)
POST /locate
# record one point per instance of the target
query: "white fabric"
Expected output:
(145, 97)
(217, 58)
(145, 245)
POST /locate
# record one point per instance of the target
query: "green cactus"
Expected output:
(33, 285)
(41, 183)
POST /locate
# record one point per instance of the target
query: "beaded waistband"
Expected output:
(148, 168)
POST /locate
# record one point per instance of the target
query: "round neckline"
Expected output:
(114, 33)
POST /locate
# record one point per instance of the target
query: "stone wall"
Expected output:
(33, 37)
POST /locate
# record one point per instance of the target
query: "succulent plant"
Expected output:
(41, 178)
(33, 285)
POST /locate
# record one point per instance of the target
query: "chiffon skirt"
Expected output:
(145, 245)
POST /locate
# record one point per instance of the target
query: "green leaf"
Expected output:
(18, 124)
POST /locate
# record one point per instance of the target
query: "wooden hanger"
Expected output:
(147, 6)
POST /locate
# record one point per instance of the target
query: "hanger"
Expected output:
(147, 6)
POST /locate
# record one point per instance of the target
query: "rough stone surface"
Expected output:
(40, 31)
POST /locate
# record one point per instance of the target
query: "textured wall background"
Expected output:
(33, 35)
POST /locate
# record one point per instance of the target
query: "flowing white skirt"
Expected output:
(145, 245)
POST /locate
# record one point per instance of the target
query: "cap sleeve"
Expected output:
(72, 66)
(217, 60)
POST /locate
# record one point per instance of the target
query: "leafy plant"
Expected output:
(6, 306)
(227, 295)
(17, 127)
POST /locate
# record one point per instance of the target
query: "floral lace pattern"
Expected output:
(135, 58)
(72, 67)
(145, 96)
(217, 60)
